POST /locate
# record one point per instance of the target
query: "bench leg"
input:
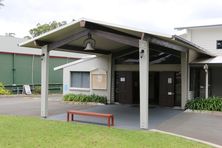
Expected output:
(112, 120)
(72, 117)
(108, 121)
(67, 117)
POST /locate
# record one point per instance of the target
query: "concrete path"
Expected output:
(196, 125)
(126, 116)
(30, 106)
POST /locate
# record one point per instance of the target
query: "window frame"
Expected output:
(80, 88)
(217, 46)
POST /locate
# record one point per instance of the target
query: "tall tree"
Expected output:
(43, 28)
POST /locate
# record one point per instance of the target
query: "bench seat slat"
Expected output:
(89, 113)
(74, 112)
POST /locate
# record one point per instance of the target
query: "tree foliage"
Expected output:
(43, 28)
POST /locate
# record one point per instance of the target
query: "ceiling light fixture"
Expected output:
(89, 43)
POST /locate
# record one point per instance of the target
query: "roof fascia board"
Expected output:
(197, 27)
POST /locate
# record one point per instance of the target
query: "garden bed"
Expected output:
(83, 99)
(205, 104)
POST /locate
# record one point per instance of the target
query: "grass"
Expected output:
(26, 132)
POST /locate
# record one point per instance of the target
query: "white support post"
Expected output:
(112, 80)
(206, 81)
(44, 81)
(109, 88)
(184, 79)
(144, 82)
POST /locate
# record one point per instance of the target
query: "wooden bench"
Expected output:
(74, 112)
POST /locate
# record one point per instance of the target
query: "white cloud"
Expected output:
(154, 15)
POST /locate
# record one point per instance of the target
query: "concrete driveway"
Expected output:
(196, 125)
(201, 126)
(30, 106)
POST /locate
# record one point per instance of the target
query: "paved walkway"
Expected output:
(200, 126)
(196, 125)
(126, 116)
(30, 106)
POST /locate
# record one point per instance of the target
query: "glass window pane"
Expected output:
(80, 79)
(76, 79)
(85, 80)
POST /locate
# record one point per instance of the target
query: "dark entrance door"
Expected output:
(123, 87)
(127, 87)
(166, 88)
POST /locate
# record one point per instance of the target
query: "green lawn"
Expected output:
(27, 132)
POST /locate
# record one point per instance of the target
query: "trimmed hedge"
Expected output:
(210, 104)
(4, 91)
(85, 98)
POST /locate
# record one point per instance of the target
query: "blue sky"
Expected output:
(154, 15)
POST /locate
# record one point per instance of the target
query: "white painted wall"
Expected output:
(205, 37)
(100, 63)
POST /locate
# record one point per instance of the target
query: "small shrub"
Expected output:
(37, 90)
(85, 98)
(211, 104)
(3, 90)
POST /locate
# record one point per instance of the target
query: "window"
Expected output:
(219, 44)
(80, 79)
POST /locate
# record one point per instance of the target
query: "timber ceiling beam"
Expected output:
(93, 26)
(68, 39)
(125, 52)
(111, 34)
(159, 48)
(72, 48)
(166, 44)
(117, 38)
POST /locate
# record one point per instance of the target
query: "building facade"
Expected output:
(132, 66)
(210, 38)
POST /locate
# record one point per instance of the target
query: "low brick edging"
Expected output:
(188, 138)
(217, 113)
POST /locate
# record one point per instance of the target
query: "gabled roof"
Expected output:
(105, 45)
(63, 30)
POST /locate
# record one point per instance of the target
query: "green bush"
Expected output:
(37, 90)
(211, 104)
(4, 91)
(85, 98)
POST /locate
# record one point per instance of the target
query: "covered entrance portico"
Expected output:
(115, 41)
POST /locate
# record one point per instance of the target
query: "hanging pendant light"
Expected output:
(89, 43)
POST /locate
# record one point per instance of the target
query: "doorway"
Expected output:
(127, 87)
(164, 88)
